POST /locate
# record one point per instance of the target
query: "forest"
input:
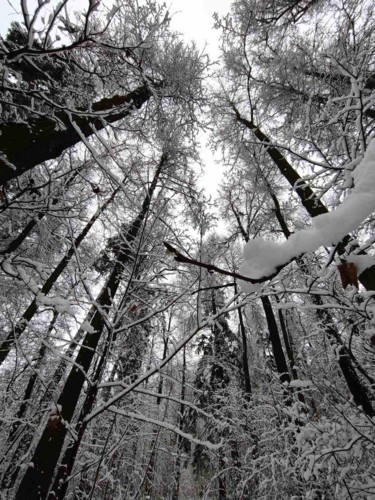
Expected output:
(157, 342)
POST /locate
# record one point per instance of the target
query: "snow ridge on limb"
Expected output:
(263, 257)
(165, 425)
(211, 268)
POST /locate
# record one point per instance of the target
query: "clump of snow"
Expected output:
(300, 383)
(263, 257)
(86, 327)
(362, 262)
(61, 305)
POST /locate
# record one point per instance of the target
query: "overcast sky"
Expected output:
(193, 18)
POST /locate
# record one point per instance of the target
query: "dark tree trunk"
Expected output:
(288, 345)
(38, 478)
(180, 439)
(346, 361)
(25, 145)
(357, 388)
(245, 349)
(60, 484)
(12, 470)
(277, 348)
(150, 470)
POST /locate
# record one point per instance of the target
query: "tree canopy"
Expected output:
(157, 342)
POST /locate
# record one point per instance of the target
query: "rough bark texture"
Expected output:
(25, 145)
(277, 348)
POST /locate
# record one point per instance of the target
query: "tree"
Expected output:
(147, 351)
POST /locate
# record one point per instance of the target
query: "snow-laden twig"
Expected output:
(167, 426)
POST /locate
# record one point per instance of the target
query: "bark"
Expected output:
(60, 484)
(25, 145)
(287, 343)
(180, 439)
(277, 348)
(7, 344)
(150, 471)
(11, 473)
(32, 380)
(38, 478)
(222, 481)
(245, 349)
(357, 388)
(347, 361)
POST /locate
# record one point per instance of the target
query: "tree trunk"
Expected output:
(312, 204)
(38, 477)
(30, 312)
(357, 388)
(277, 348)
(180, 439)
(150, 470)
(245, 351)
(25, 145)
(11, 473)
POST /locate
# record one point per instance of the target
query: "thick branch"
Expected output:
(179, 257)
(308, 198)
(25, 145)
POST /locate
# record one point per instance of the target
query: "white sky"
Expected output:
(193, 18)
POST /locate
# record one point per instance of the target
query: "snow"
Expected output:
(61, 305)
(86, 327)
(262, 257)
(362, 262)
(167, 425)
(300, 383)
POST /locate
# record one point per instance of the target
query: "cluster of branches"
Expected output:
(135, 341)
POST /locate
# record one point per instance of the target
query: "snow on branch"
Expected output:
(168, 426)
(211, 268)
(263, 258)
(229, 306)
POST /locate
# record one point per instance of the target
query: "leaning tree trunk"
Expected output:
(61, 482)
(7, 344)
(11, 473)
(25, 145)
(38, 477)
